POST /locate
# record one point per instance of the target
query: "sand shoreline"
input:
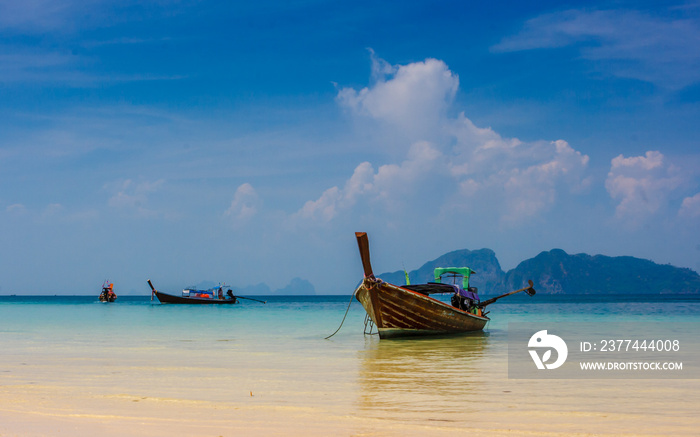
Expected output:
(31, 411)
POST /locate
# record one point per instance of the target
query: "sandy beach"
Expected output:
(52, 411)
(374, 394)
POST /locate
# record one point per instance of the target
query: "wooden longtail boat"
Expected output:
(402, 311)
(211, 296)
(107, 294)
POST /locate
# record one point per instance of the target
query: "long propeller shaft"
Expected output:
(529, 291)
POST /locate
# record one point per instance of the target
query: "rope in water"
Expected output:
(346, 314)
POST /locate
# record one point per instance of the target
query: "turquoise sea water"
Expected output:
(275, 354)
(288, 323)
(296, 319)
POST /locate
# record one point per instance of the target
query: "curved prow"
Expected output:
(363, 244)
(152, 287)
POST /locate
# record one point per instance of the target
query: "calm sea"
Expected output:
(275, 355)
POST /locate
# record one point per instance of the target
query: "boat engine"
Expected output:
(462, 303)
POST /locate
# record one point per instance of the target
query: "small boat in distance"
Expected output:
(191, 295)
(403, 311)
(107, 294)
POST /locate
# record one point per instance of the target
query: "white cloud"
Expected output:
(391, 188)
(244, 205)
(631, 44)
(462, 163)
(132, 197)
(52, 213)
(360, 183)
(641, 185)
(690, 207)
(324, 208)
(521, 180)
(16, 209)
(411, 98)
(534, 188)
(334, 199)
(651, 160)
(393, 182)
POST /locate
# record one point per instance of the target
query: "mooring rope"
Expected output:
(346, 314)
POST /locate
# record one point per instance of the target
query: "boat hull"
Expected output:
(169, 298)
(398, 312)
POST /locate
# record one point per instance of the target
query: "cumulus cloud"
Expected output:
(411, 98)
(690, 207)
(324, 208)
(132, 197)
(533, 188)
(459, 163)
(244, 205)
(659, 49)
(390, 187)
(641, 185)
(527, 176)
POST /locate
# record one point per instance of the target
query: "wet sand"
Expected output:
(31, 411)
(386, 390)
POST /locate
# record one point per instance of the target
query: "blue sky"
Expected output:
(185, 141)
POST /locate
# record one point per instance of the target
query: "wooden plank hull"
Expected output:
(169, 298)
(398, 312)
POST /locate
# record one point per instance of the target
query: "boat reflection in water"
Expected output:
(436, 379)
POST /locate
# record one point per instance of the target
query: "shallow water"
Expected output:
(274, 356)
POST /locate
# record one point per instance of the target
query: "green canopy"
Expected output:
(464, 271)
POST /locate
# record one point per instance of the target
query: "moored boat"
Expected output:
(107, 294)
(192, 295)
(402, 311)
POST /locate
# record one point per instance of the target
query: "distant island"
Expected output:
(557, 272)
(553, 272)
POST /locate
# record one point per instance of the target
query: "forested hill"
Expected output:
(556, 272)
